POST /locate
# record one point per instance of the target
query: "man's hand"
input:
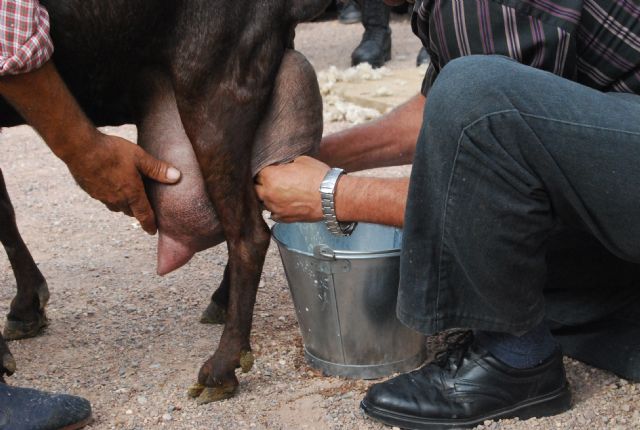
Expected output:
(111, 171)
(109, 168)
(291, 191)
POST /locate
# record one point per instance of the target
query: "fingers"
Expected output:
(157, 170)
(141, 209)
(119, 207)
(112, 207)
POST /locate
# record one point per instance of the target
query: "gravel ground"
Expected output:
(130, 341)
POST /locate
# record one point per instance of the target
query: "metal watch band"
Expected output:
(327, 194)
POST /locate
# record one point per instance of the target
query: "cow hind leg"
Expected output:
(226, 167)
(292, 125)
(26, 316)
(248, 242)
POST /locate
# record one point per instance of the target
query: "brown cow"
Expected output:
(214, 90)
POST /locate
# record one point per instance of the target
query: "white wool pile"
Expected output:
(361, 72)
(335, 107)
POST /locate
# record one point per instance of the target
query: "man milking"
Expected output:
(521, 214)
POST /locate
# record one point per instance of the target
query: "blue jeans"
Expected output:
(523, 184)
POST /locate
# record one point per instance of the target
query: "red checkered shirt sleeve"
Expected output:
(25, 43)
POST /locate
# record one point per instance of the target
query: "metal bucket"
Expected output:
(344, 291)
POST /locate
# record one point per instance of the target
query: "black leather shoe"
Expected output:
(375, 48)
(350, 13)
(423, 57)
(465, 386)
(27, 409)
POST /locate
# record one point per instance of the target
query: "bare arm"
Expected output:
(387, 141)
(107, 167)
(375, 200)
(291, 193)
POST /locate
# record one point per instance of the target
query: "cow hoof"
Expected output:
(215, 394)
(246, 361)
(14, 330)
(214, 314)
(195, 390)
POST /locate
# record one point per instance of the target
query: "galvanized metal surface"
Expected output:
(344, 290)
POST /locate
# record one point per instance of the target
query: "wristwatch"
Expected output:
(327, 193)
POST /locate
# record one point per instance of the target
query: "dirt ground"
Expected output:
(130, 341)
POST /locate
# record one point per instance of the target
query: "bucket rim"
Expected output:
(337, 253)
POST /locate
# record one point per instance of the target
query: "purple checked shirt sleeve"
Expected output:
(25, 44)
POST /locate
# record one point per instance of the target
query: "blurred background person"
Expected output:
(375, 46)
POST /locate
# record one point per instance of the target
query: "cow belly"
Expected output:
(185, 216)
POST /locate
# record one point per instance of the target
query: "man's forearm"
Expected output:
(375, 200)
(387, 141)
(44, 101)
(108, 168)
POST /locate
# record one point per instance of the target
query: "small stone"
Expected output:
(142, 400)
(167, 417)
(129, 412)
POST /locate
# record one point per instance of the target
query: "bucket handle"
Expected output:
(327, 262)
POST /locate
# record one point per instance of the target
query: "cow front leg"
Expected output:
(27, 311)
(216, 312)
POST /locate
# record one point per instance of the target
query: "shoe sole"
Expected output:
(78, 425)
(374, 64)
(551, 404)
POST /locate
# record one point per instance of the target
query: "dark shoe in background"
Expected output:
(466, 386)
(422, 58)
(375, 47)
(27, 409)
(349, 13)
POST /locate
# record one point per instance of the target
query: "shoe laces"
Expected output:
(456, 345)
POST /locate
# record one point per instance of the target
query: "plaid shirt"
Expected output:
(593, 42)
(25, 44)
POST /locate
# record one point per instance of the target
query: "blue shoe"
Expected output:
(28, 409)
